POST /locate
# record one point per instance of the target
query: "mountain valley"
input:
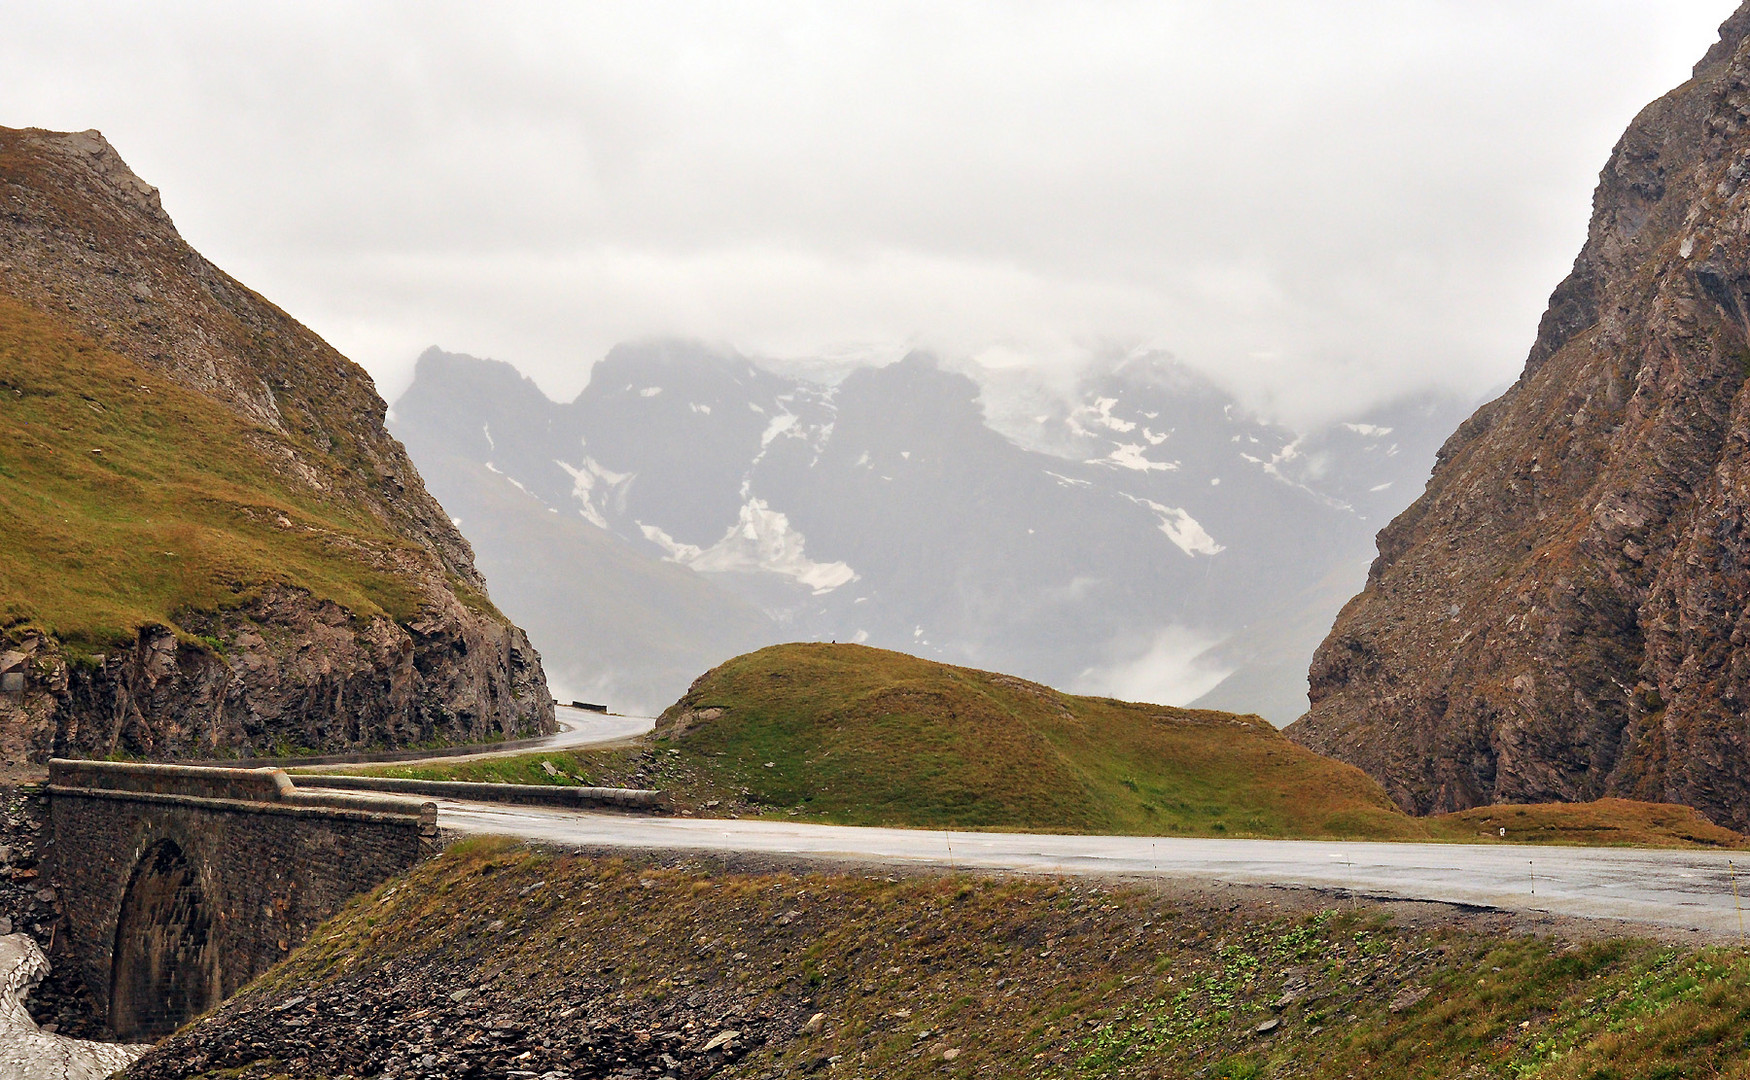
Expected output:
(884, 508)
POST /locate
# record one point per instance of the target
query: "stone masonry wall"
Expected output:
(265, 872)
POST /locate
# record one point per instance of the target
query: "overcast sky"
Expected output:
(1321, 204)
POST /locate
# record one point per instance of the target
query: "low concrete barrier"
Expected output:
(524, 794)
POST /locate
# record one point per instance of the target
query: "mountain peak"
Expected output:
(92, 151)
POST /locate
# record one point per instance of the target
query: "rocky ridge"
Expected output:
(85, 241)
(1562, 614)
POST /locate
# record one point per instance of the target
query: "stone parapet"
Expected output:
(182, 884)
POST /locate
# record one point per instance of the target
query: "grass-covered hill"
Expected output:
(865, 736)
(852, 735)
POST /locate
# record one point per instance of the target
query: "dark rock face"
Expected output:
(1561, 615)
(85, 240)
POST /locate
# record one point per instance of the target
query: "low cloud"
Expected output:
(1174, 667)
(1320, 205)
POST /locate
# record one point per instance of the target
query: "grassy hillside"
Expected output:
(495, 958)
(1603, 823)
(129, 500)
(864, 736)
(853, 735)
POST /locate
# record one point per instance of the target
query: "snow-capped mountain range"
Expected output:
(1141, 538)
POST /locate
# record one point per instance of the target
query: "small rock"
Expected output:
(770, 765)
(495, 926)
(720, 1040)
(1407, 997)
(46, 894)
(951, 1053)
(459, 996)
(548, 768)
(1268, 1026)
(814, 1024)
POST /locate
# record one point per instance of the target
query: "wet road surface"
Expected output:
(577, 728)
(1682, 889)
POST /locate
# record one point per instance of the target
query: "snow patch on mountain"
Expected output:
(592, 485)
(1181, 528)
(1099, 414)
(762, 539)
(1068, 481)
(779, 424)
(1130, 456)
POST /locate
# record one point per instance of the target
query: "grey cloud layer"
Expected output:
(1318, 204)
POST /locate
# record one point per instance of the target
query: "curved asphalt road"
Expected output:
(577, 727)
(1690, 890)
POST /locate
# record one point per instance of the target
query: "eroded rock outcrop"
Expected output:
(1563, 614)
(86, 242)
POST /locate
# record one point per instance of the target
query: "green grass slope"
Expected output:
(130, 501)
(856, 735)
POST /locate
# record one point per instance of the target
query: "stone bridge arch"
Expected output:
(165, 968)
(182, 884)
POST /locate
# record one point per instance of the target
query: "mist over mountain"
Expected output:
(1139, 537)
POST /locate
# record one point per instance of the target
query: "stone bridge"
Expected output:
(181, 884)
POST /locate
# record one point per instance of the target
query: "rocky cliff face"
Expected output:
(86, 243)
(1564, 612)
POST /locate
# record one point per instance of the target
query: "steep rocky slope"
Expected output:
(212, 545)
(1562, 614)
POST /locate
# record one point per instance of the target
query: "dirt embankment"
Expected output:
(496, 960)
